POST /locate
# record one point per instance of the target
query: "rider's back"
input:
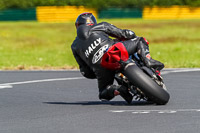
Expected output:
(91, 42)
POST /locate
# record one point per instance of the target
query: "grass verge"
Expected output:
(33, 45)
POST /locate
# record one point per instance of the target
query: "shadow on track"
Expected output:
(112, 103)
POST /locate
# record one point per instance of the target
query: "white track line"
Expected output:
(9, 85)
(5, 86)
(180, 70)
(157, 111)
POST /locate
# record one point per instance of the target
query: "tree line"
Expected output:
(98, 4)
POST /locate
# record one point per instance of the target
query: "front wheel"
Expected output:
(149, 87)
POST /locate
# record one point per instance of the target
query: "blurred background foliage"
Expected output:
(98, 4)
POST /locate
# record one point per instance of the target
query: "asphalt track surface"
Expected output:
(65, 102)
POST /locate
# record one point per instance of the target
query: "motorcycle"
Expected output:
(142, 82)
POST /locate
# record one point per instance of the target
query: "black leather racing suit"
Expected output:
(89, 47)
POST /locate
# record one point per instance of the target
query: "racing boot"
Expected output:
(143, 52)
(113, 90)
(108, 93)
(124, 93)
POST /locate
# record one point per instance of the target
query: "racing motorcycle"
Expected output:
(142, 82)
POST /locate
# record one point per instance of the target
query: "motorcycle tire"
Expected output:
(149, 87)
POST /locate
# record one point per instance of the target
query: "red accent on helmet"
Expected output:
(86, 18)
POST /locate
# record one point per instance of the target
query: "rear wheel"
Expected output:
(148, 86)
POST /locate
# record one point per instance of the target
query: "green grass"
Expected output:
(36, 45)
(33, 45)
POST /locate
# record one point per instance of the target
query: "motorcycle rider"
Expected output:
(91, 42)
